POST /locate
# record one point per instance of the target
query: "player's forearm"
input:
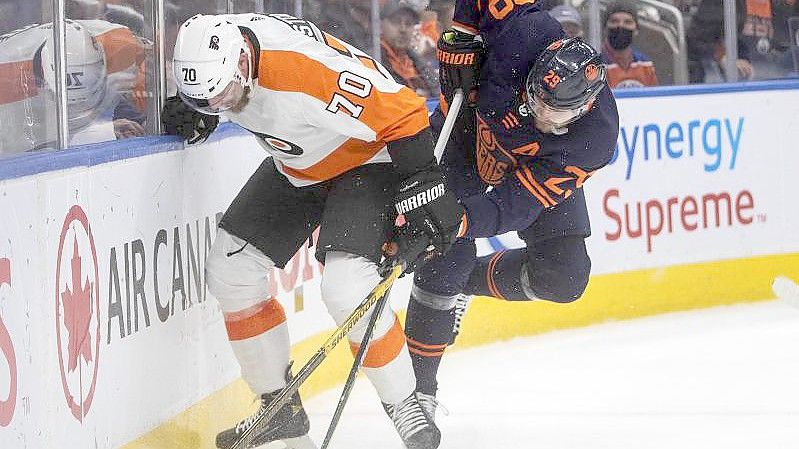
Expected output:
(501, 210)
(412, 154)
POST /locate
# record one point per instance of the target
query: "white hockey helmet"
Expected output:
(85, 71)
(206, 62)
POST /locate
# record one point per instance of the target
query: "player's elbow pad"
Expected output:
(412, 154)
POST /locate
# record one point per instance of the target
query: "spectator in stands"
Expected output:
(348, 20)
(433, 21)
(763, 40)
(397, 24)
(627, 67)
(102, 59)
(569, 19)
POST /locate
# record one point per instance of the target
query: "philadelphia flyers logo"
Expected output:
(591, 72)
(284, 146)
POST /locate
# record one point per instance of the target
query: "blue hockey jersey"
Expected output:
(504, 170)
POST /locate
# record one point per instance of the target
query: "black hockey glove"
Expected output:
(459, 58)
(181, 120)
(432, 219)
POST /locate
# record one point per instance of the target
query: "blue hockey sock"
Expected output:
(429, 331)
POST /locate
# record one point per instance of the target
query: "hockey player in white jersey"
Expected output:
(347, 144)
(103, 60)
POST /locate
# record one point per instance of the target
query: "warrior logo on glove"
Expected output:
(420, 199)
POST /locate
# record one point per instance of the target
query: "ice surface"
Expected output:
(719, 378)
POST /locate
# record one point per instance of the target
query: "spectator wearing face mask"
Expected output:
(627, 67)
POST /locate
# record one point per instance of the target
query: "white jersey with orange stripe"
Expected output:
(318, 105)
(27, 108)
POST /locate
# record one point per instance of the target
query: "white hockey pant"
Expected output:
(256, 323)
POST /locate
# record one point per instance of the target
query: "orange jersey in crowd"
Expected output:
(319, 106)
(637, 71)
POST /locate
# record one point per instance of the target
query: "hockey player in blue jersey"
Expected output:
(540, 121)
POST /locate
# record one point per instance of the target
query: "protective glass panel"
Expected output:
(763, 40)
(27, 107)
(408, 34)
(764, 36)
(110, 70)
(349, 20)
(641, 41)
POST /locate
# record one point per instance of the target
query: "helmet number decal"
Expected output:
(552, 79)
(354, 84)
(73, 80)
(189, 75)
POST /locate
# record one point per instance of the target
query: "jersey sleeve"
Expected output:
(123, 50)
(467, 15)
(549, 171)
(347, 90)
(481, 16)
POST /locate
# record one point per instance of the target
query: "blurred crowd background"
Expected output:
(113, 73)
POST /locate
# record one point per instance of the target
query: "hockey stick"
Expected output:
(356, 365)
(443, 138)
(377, 293)
(449, 123)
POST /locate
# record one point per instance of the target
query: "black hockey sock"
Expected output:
(429, 331)
(499, 275)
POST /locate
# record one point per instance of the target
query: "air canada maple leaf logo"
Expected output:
(77, 312)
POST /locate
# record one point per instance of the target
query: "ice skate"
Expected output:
(290, 425)
(413, 423)
(430, 405)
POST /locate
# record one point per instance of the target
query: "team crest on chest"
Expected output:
(284, 146)
(493, 162)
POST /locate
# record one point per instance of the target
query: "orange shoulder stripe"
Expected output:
(392, 116)
(17, 82)
(122, 49)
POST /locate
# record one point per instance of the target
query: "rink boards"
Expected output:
(107, 331)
